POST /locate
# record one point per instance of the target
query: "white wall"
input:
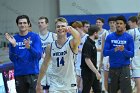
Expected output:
(77, 7)
(10, 9)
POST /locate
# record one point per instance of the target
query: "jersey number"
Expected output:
(99, 42)
(60, 61)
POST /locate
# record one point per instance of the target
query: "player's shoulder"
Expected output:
(111, 35)
(130, 31)
(33, 34)
(54, 35)
(127, 35)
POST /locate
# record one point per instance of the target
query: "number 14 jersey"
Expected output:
(63, 76)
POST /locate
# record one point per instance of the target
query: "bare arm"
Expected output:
(101, 58)
(43, 69)
(92, 67)
(75, 40)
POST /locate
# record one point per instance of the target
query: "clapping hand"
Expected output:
(27, 42)
(11, 39)
(121, 48)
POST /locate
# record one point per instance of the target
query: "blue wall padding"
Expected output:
(92, 18)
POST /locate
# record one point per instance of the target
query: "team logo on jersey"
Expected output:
(60, 53)
(21, 44)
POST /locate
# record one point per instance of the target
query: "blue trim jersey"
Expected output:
(99, 40)
(136, 36)
(78, 59)
(63, 75)
(106, 59)
(45, 40)
(99, 45)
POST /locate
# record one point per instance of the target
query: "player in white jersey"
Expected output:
(63, 60)
(135, 32)
(100, 23)
(46, 37)
(138, 20)
(79, 27)
(105, 60)
(62, 53)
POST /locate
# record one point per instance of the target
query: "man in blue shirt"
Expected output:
(25, 52)
(119, 46)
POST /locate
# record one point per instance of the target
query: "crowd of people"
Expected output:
(90, 59)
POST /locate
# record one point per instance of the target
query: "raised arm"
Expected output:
(75, 40)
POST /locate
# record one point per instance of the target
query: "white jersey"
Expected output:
(136, 36)
(99, 44)
(70, 37)
(45, 40)
(106, 59)
(63, 75)
(78, 59)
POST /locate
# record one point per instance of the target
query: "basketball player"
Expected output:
(79, 27)
(62, 52)
(105, 60)
(135, 32)
(46, 37)
(102, 31)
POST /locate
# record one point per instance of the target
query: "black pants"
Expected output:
(89, 79)
(119, 78)
(26, 83)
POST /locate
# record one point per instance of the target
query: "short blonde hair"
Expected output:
(60, 19)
